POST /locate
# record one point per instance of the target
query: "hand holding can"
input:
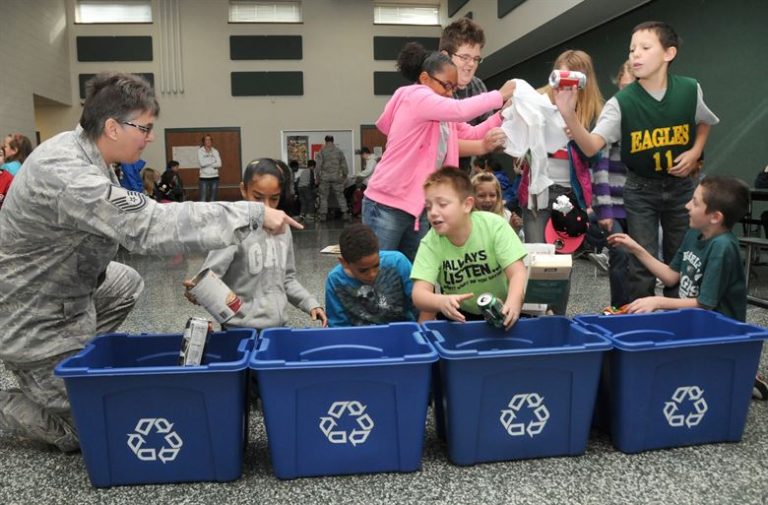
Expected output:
(559, 79)
(215, 296)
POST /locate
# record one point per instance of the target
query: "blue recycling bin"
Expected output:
(142, 418)
(344, 400)
(524, 393)
(676, 378)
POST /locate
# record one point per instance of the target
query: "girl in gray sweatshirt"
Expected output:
(261, 269)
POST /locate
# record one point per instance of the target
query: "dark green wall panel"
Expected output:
(265, 47)
(385, 83)
(114, 48)
(267, 83)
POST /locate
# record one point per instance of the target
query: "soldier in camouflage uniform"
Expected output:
(61, 227)
(331, 174)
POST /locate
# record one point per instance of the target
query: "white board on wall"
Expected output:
(300, 143)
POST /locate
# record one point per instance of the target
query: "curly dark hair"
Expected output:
(414, 59)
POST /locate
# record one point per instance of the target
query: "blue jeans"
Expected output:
(209, 189)
(650, 203)
(394, 227)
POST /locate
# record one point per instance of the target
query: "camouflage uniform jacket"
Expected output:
(331, 164)
(61, 226)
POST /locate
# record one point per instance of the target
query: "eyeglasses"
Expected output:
(449, 86)
(466, 58)
(146, 130)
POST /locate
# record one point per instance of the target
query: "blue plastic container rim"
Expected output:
(65, 369)
(751, 332)
(601, 343)
(264, 341)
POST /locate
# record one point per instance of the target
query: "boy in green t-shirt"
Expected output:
(466, 253)
(708, 265)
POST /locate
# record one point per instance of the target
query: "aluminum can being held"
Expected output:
(215, 296)
(490, 306)
(567, 78)
(193, 341)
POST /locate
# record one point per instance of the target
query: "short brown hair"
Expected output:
(727, 195)
(666, 34)
(118, 96)
(454, 177)
(462, 31)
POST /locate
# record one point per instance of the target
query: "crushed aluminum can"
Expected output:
(490, 306)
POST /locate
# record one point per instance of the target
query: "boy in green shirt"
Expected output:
(466, 253)
(708, 265)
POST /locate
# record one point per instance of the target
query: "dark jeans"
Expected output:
(618, 263)
(650, 203)
(209, 189)
(307, 198)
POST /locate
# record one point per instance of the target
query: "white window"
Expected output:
(113, 11)
(246, 11)
(399, 14)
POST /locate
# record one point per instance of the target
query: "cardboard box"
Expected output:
(548, 277)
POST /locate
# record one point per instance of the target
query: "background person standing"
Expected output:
(331, 174)
(210, 163)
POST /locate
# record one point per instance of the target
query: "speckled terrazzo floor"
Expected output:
(710, 474)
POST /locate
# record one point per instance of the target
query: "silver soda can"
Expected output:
(567, 78)
(215, 296)
(490, 306)
(193, 341)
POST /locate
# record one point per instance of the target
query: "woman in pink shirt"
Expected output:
(423, 124)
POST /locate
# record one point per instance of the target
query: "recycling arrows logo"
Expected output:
(533, 401)
(354, 409)
(144, 427)
(682, 395)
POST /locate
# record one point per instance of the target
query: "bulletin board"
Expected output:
(303, 145)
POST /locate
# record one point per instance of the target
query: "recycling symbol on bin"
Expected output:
(356, 411)
(690, 393)
(172, 441)
(533, 401)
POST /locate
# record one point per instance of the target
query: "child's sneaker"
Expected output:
(599, 259)
(760, 389)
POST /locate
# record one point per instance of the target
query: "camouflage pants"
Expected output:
(39, 408)
(338, 189)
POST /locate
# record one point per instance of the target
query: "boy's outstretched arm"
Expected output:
(651, 303)
(425, 299)
(589, 143)
(513, 304)
(658, 268)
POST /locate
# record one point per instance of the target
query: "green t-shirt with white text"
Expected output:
(711, 271)
(475, 267)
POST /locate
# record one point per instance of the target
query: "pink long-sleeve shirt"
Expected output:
(411, 122)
